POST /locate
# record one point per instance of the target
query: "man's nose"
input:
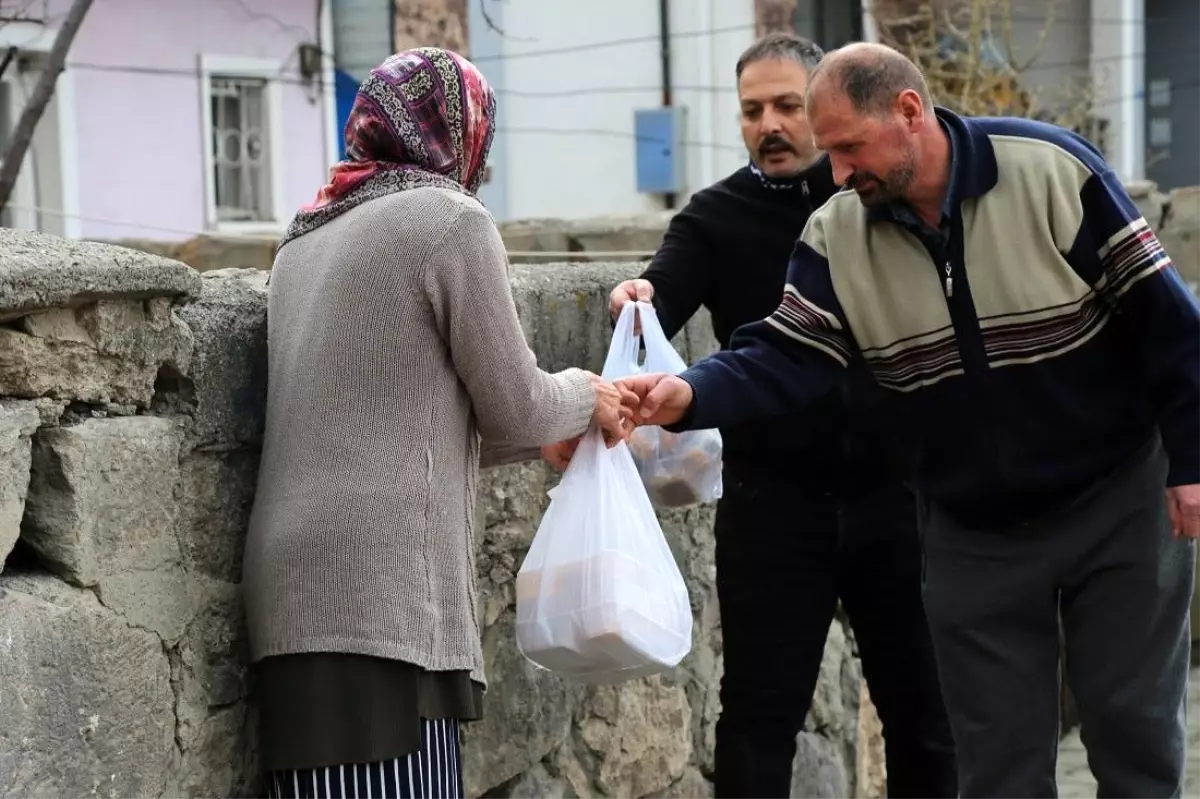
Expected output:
(771, 121)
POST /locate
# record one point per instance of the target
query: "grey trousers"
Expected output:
(1123, 585)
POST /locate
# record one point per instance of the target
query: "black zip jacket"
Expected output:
(728, 250)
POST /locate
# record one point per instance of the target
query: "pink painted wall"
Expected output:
(139, 135)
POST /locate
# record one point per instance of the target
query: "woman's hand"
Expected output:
(559, 455)
(613, 412)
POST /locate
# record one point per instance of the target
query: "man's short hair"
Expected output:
(871, 81)
(781, 47)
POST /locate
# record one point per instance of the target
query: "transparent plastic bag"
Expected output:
(600, 598)
(678, 469)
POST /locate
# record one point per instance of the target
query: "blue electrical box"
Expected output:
(660, 155)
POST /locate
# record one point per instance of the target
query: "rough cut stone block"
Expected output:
(103, 511)
(564, 314)
(104, 352)
(820, 770)
(689, 534)
(872, 768)
(1180, 234)
(523, 720)
(85, 698)
(538, 781)
(531, 714)
(208, 669)
(18, 420)
(623, 730)
(215, 498)
(229, 368)
(40, 271)
(564, 311)
(692, 785)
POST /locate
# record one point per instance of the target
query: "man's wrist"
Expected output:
(685, 421)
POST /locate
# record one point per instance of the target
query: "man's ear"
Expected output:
(911, 108)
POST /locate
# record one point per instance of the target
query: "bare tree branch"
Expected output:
(7, 14)
(22, 136)
(9, 55)
(491, 23)
(487, 17)
(1038, 48)
(1157, 157)
(968, 52)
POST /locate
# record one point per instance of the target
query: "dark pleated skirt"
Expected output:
(329, 709)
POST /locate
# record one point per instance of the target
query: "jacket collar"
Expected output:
(816, 182)
(973, 171)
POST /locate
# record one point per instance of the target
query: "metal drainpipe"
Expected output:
(664, 44)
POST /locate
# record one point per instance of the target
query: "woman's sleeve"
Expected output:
(515, 402)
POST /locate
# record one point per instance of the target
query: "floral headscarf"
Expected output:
(424, 117)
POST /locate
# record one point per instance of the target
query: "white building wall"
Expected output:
(569, 76)
(573, 75)
(362, 34)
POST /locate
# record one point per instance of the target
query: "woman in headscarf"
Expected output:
(394, 346)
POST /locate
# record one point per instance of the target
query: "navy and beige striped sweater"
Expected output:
(1039, 343)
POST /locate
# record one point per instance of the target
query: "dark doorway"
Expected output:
(1172, 97)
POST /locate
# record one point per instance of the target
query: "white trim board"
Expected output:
(68, 154)
(329, 86)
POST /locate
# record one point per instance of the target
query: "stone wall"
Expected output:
(524, 238)
(131, 395)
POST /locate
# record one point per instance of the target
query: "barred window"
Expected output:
(241, 161)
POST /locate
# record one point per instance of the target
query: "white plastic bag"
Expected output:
(599, 595)
(677, 469)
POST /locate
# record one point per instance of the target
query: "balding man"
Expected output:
(994, 274)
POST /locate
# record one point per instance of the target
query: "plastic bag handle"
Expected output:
(622, 358)
(660, 355)
(587, 461)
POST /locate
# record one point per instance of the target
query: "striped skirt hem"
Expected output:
(432, 772)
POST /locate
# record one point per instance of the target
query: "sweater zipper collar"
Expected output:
(775, 184)
(787, 184)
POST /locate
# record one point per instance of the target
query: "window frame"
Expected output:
(272, 70)
(816, 20)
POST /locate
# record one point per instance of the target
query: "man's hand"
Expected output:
(630, 291)
(613, 411)
(559, 455)
(659, 399)
(1183, 505)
